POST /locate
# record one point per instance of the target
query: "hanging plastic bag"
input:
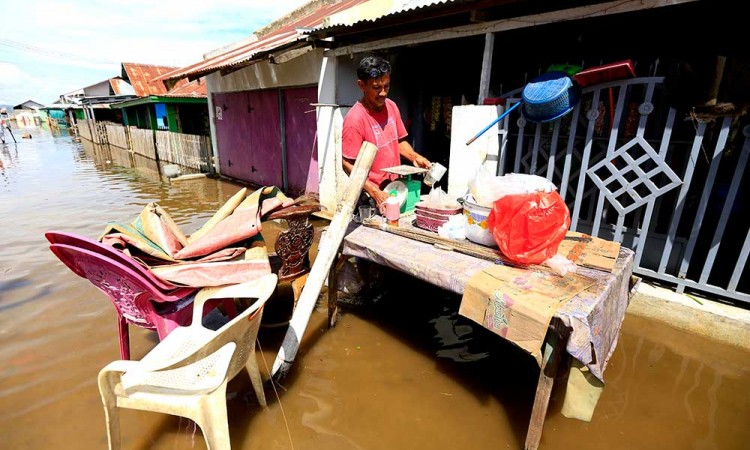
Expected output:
(528, 228)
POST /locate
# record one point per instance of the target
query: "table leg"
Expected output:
(554, 344)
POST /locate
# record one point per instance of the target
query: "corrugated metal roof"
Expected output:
(121, 87)
(196, 88)
(285, 35)
(142, 78)
(373, 10)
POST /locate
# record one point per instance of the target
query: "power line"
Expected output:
(53, 53)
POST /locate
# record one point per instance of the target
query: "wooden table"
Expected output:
(586, 326)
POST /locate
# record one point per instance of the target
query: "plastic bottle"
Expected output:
(392, 208)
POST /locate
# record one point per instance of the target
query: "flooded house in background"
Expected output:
(180, 108)
(144, 122)
(56, 115)
(27, 114)
(94, 100)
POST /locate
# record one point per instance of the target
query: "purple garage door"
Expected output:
(248, 136)
(301, 148)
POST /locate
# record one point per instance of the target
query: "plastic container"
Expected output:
(392, 208)
(435, 174)
(549, 96)
(171, 170)
(609, 72)
(365, 212)
(477, 229)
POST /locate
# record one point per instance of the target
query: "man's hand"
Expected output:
(422, 162)
(380, 197)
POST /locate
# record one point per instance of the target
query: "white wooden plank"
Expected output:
(465, 160)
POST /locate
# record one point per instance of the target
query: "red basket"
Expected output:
(608, 72)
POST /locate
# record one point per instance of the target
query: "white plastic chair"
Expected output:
(186, 374)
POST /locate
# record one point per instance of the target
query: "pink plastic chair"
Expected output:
(76, 240)
(135, 297)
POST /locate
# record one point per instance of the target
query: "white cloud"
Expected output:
(14, 83)
(69, 44)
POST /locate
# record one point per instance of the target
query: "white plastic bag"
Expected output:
(454, 228)
(486, 187)
(560, 265)
(439, 199)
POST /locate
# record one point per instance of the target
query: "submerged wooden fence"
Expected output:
(187, 150)
(142, 142)
(116, 135)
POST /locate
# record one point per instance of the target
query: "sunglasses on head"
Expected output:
(377, 72)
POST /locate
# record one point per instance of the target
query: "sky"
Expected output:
(52, 47)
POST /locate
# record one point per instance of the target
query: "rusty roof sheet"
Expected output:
(372, 10)
(195, 88)
(142, 78)
(287, 33)
(120, 86)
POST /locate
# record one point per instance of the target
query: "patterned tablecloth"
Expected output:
(594, 316)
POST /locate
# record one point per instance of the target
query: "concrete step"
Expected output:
(706, 317)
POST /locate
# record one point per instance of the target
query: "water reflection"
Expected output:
(403, 372)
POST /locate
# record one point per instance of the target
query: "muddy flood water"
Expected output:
(400, 371)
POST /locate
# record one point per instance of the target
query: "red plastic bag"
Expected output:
(528, 228)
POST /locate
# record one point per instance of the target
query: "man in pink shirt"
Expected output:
(376, 119)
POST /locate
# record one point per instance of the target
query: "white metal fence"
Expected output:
(658, 179)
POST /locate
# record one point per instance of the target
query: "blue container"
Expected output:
(549, 96)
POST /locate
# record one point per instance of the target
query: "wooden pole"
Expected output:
(554, 345)
(713, 90)
(327, 251)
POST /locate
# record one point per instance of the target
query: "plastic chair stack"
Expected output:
(139, 298)
(187, 373)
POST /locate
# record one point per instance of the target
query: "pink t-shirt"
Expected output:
(384, 129)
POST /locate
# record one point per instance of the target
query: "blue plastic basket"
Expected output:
(549, 96)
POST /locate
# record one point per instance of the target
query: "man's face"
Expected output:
(375, 91)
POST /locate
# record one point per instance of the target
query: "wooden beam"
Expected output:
(582, 12)
(484, 79)
(327, 252)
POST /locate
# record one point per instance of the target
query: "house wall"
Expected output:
(97, 90)
(300, 71)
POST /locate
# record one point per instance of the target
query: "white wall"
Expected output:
(300, 71)
(97, 90)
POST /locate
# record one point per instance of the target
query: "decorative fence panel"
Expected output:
(100, 132)
(143, 142)
(187, 150)
(662, 181)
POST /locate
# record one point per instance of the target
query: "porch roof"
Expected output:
(158, 99)
(288, 33)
